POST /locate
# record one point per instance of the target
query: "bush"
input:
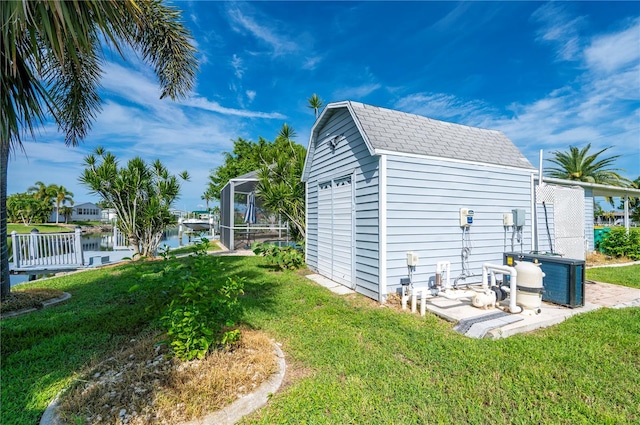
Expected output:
(200, 308)
(619, 243)
(285, 258)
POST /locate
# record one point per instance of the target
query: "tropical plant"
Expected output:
(620, 243)
(141, 195)
(61, 196)
(285, 258)
(42, 192)
(27, 208)
(208, 196)
(279, 165)
(245, 157)
(578, 164)
(280, 187)
(51, 66)
(67, 212)
(315, 103)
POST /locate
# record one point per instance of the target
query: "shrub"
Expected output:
(285, 258)
(619, 243)
(199, 307)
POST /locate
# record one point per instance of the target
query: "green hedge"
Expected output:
(619, 243)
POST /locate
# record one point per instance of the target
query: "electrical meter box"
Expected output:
(466, 217)
(507, 219)
(518, 217)
(412, 259)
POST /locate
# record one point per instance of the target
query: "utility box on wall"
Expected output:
(564, 277)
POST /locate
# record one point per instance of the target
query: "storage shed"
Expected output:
(381, 183)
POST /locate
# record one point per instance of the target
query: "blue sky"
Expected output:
(548, 75)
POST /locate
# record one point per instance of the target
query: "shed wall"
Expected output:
(351, 153)
(424, 197)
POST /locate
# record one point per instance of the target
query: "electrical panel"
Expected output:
(518, 217)
(412, 259)
(466, 217)
(507, 219)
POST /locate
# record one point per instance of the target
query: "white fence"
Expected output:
(47, 250)
(120, 240)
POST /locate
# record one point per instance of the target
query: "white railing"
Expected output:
(120, 240)
(47, 250)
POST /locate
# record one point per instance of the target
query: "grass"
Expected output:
(627, 276)
(42, 228)
(192, 248)
(358, 362)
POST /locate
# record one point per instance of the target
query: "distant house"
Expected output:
(108, 215)
(87, 211)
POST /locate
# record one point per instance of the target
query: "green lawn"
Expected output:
(42, 228)
(627, 276)
(359, 362)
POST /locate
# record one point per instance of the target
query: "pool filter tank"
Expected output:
(530, 287)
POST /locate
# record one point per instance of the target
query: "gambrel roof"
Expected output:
(386, 131)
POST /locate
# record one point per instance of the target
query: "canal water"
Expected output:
(104, 242)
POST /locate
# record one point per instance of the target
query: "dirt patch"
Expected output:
(599, 259)
(28, 298)
(143, 385)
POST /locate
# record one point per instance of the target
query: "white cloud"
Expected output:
(251, 94)
(202, 103)
(559, 30)
(280, 44)
(236, 63)
(357, 92)
(310, 63)
(614, 51)
(441, 106)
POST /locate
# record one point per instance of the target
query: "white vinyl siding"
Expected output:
(327, 164)
(424, 197)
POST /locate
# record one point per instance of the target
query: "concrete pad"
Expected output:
(597, 295)
(330, 284)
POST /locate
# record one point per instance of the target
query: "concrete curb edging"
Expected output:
(228, 415)
(65, 296)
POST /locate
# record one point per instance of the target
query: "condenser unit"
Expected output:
(564, 277)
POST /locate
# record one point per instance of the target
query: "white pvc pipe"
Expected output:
(511, 271)
(457, 293)
(446, 267)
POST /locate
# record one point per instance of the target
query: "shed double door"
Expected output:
(335, 230)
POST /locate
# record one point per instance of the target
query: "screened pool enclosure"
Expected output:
(243, 220)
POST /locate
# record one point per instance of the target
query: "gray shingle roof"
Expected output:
(397, 131)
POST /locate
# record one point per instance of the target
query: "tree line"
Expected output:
(38, 202)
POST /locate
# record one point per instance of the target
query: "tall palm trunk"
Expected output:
(5, 285)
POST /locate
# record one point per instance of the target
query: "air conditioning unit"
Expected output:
(564, 277)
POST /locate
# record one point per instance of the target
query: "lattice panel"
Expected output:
(569, 221)
(545, 193)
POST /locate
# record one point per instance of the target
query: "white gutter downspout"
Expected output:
(511, 271)
(626, 213)
(535, 240)
(534, 206)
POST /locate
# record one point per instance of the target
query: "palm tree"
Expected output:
(577, 164)
(315, 103)
(207, 196)
(42, 192)
(62, 195)
(51, 66)
(67, 212)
